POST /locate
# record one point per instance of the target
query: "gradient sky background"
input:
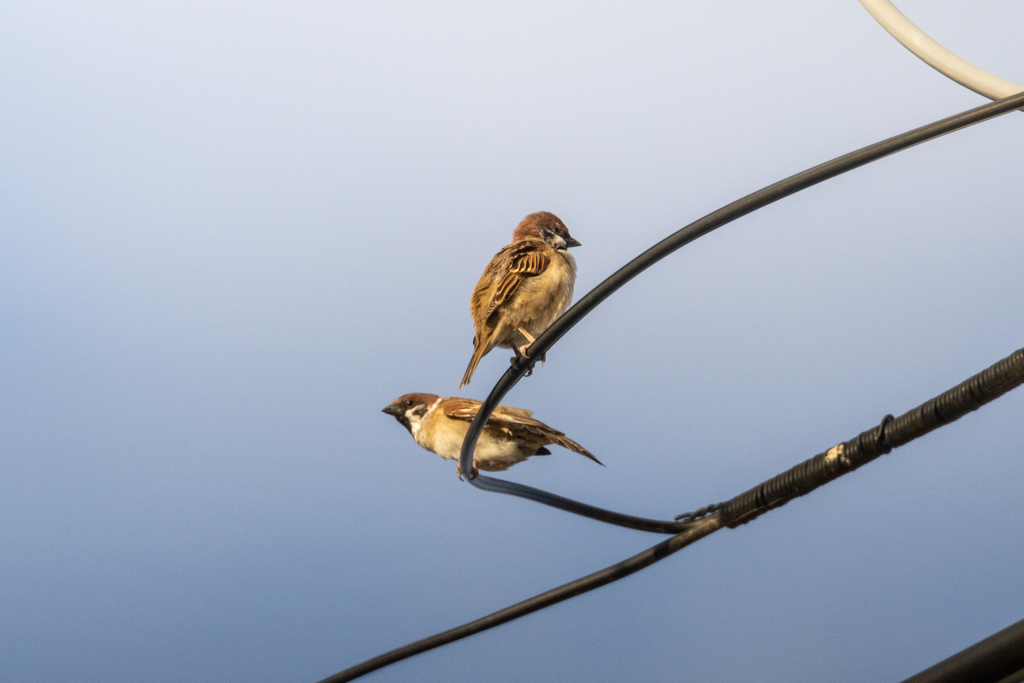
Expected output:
(231, 232)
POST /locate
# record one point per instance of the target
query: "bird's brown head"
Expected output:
(547, 227)
(410, 408)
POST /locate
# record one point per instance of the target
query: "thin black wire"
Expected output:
(714, 220)
(600, 578)
(949, 406)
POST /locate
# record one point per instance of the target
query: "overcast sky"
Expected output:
(231, 232)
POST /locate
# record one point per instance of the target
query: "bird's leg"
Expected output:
(529, 340)
(521, 351)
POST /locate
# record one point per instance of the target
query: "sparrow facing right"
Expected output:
(524, 288)
(510, 436)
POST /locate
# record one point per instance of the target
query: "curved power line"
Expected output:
(936, 56)
(698, 228)
(969, 395)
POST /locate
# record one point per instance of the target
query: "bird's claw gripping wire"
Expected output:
(519, 362)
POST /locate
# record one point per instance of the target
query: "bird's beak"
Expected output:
(393, 409)
(570, 242)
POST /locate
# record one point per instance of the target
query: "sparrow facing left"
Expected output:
(510, 436)
(524, 288)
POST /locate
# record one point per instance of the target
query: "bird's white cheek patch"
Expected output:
(414, 424)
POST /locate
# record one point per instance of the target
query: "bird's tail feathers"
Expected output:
(565, 442)
(478, 353)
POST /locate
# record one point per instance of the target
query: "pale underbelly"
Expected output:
(492, 453)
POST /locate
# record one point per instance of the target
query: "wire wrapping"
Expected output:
(891, 433)
(675, 241)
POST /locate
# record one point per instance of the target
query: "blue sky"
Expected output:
(230, 233)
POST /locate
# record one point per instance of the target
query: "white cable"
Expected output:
(936, 56)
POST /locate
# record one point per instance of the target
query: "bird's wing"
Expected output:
(512, 421)
(466, 409)
(525, 259)
(460, 408)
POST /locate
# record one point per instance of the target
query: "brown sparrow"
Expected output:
(509, 437)
(524, 288)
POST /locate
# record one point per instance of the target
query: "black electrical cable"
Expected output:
(997, 659)
(629, 521)
(714, 220)
(607, 575)
(951, 405)
(893, 432)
